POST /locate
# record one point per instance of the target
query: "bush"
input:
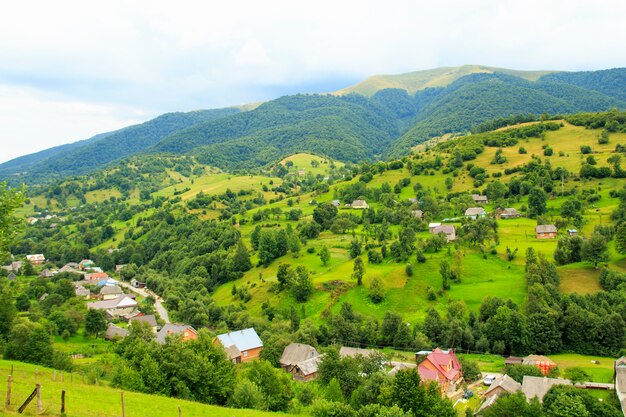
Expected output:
(585, 149)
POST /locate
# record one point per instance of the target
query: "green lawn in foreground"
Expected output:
(97, 400)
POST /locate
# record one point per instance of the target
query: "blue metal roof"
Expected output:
(243, 339)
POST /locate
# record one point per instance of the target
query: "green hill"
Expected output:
(88, 400)
(95, 153)
(382, 123)
(437, 77)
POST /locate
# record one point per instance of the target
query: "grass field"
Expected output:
(84, 400)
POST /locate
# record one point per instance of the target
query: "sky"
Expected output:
(72, 69)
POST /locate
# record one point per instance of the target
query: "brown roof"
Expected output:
(232, 352)
(310, 365)
(475, 211)
(297, 352)
(545, 228)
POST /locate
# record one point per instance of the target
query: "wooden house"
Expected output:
(538, 386)
(443, 368)
(187, 332)
(301, 361)
(545, 231)
(475, 213)
(36, 259)
(446, 229)
(509, 213)
(359, 204)
(544, 363)
(480, 199)
(241, 345)
(503, 385)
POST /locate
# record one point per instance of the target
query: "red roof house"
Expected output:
(443, 368)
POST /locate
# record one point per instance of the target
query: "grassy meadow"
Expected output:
(85, 400)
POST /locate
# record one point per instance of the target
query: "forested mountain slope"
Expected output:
(350, 128)
(95, 153)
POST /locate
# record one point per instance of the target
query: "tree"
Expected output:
(514, 405)
(10, 200)
(595, 250)
(324, 255)
(324, 214)
(537, 202)
(620, 239)
(301, 286)
(446, 274)
(358, 271)
(284, 275)
(95, 322)
(241, 258)
(406, 392)
(355, 248)
(377, 290)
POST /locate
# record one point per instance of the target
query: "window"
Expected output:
(245, 353)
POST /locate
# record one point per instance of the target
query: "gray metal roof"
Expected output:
(545, 228)
(537, 386)
(297, 352)
(245, 339)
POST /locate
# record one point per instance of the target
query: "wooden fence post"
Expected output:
(39, 406)
(123, 408)
(180, 412)
(62, 401)
(8, 392)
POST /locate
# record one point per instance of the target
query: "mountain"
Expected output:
(365, 122)
(95, 153)
(432, 78)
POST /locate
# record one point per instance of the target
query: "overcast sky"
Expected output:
(69, 70)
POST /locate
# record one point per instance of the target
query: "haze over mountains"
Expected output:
(383, 116)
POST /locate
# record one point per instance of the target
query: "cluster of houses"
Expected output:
(538, 386)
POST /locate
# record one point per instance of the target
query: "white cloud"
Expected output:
(162, 56)
(30, 122)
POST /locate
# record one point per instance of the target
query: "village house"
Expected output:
(620, 382)
(509, 213)
(149, 319)
(110, 292)
(187, 332)
(36, 259)
(115, 332)
(475, 212)
(71, 267)
(418, 214)
(116, 307)
(572, 232)
(442, 367)
(301, 361)
(336, 203)
(81, 291)
(11, 276)
(545, 231)
(538, 386)
(480, 199)
(86, 264)
(46, 273)
(431, 226)
(544, 363)
(359, 204)
(14, 266)
(241, 345)
(118, 268)
(446, 229)
(137, 284)
(96, 276)
(500, 386)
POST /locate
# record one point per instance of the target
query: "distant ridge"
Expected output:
(437, 77)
